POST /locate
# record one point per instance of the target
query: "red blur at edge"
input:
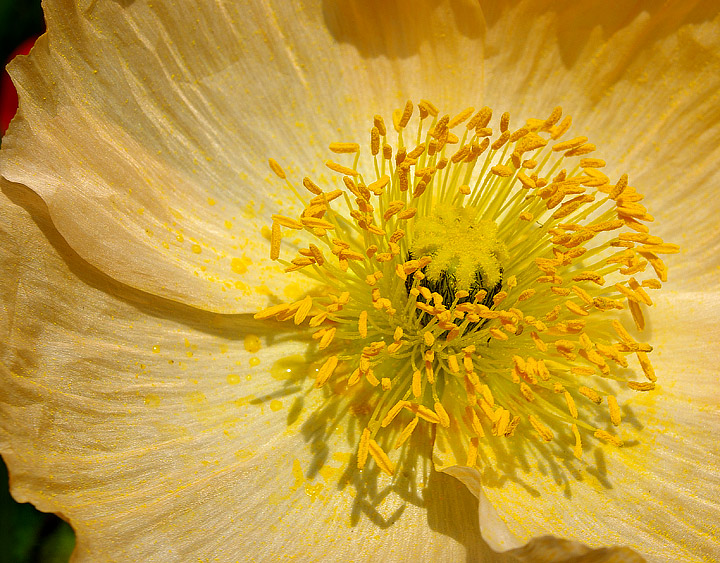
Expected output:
(8, 94)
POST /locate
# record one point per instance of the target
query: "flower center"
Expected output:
(468, 286)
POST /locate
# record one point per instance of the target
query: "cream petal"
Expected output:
(147, 129)
(640, 80)
(656, 494)
(164, 433)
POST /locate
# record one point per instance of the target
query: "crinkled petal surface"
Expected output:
(160, 437)
(147, 129)
(162, 433)
(657, 493)
(642, 80)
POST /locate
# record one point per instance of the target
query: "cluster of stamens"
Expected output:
(524, 340)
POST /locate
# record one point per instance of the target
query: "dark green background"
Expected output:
(26, 535)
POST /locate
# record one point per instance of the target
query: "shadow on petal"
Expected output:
(396, 30)
(548, 549)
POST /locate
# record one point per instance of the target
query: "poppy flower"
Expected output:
(262, 306)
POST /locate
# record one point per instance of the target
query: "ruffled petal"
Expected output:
(641, 81)
(147, 130)
(161, 432)
(656, 494)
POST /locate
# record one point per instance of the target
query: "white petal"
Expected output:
(151, 429)
(656, 494)
(142, 123)
(641, 82)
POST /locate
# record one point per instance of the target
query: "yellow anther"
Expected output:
(424, 412)
(460, 117)
(572, 409)
(406, 432)
(577, 450)
(504, 122)
(570, 144)
(374, 141)
(615, 415)
(665, 248)
(519, 134)
(379, 123)
(327, 338)
(582, 149)
(270, 312)
(607, 437)
(442, 415)
(326, 371)
(340, 169)
(372, 380)
(275, 167)
(592, 163)
(472, 452)
(622, 333)
(344, 148)
(429, 369)
(526, 392)
(591, 394)
(502, 171)
(362, 324)
(527, 182)
(408, 213)
(453, 364)
(303, 310)
(501, 140)
(416, 383)
(288, 222)
(555, 116)
(499, 334)
(559, 130)
(393, 412)
(406, 114)
(481, 118)
(275, 238)
(363, 448)
(641, 385)
(429, 338)
(646, 366)
(541, 429)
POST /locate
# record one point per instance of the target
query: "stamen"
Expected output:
(469, 293)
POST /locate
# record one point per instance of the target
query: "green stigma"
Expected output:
(460, 246)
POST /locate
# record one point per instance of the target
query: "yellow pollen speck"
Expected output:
(233, 379)
(153, 400)
(238, 266)
(196, 249)
(252, 343)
